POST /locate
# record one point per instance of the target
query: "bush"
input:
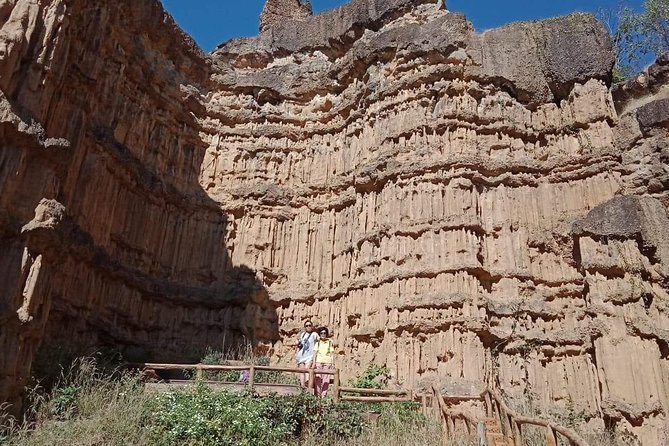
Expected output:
(375, 377)
(90, 406)
(201, 416)
(392, 416)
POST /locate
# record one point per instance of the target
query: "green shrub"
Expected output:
(375, 377)
(198, 415)
(64, 400)
(392, 416)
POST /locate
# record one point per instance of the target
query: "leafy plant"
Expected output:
(198, 415)
(64, 400)
(391, 415)
(375, 377)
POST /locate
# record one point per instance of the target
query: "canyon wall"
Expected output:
(473, 209)
(107, 236)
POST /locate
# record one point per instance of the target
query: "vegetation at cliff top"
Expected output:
(637, 35)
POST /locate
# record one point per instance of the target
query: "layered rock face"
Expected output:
(468, 208)
(107, 236)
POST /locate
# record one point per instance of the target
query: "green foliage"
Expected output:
(201, 416)
(64, 400)
(637, 35)
(398, 416)
(375, 377)
(654, 25)
(392, 416)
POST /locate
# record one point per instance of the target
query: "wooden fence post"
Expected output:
(518, 433)
(198, 372)
(312, 380)
(336, 386)
(252, 376)
(551, 437)
(488, 405)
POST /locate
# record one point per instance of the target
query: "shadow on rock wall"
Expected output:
(108, 240)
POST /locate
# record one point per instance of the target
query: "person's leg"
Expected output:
(326, 380)
(303, 376)
(318, 380)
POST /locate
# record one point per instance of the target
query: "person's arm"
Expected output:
(313, 358)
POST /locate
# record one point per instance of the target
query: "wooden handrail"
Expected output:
(214, 367)
(454, 414)
(505, 414)
(374, 399)
(374, 391)
(489, 397)
(514, 418)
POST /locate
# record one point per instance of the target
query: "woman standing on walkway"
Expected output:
(323, 360)
(306, 344)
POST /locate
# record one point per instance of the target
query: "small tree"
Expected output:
(637, 35)
(655, 26)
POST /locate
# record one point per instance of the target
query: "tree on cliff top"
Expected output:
(637, 35)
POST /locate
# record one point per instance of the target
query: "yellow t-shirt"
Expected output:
(324, 350)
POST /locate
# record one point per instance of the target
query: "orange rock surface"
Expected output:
(475, 209)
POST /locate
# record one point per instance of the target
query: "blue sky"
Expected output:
(211, 22)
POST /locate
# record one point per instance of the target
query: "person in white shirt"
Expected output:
(305, 350)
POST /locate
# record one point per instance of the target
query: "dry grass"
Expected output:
(91, 408)
(570, 417)
(108, 412)
(427, 435)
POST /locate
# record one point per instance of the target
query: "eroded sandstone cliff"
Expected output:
(107, 236)
(472, 208)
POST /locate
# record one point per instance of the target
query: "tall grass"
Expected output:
(92, 407)
(86, 408)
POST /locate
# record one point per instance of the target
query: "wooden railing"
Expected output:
(250, 383)
(510, 422)
(449, 418)
(336, 390)
(376, 395)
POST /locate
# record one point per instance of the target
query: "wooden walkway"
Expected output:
(501, 426)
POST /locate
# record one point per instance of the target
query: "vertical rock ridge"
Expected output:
(440, 198)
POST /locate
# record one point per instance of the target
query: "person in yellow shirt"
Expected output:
(323, 360)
